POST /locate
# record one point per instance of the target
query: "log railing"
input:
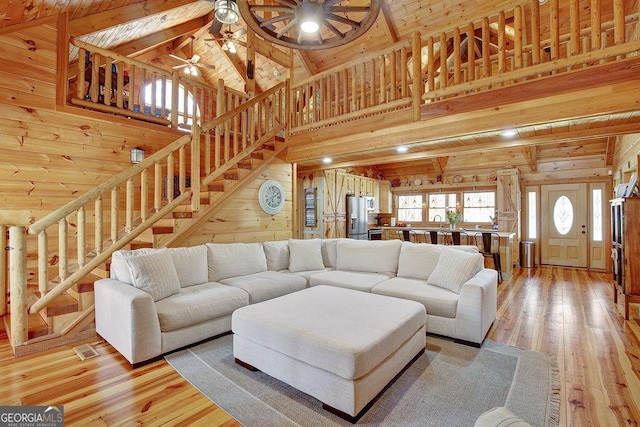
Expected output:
(113, 83)
(143, 194)
(523, 43)
(512, 46)
(371, 85)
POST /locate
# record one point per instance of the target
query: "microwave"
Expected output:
(370, 204)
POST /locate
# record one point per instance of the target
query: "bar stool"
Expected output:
(488, 244)
(431, 236)
(404, 235)
(457, 235)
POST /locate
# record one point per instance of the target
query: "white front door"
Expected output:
(564, 225)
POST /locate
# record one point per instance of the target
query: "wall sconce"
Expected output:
(137, 155)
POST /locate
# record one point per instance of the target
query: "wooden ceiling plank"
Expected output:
(14, 11)
(308, 65)
(386, 19)
(112, 17)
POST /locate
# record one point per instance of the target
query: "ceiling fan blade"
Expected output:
(215, 27)
(208, 66)
(180, 66)
(239, 33)
(177, 57)
(195, 58)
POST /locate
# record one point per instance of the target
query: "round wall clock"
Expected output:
(271, 197)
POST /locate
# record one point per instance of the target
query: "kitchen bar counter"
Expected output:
(507, 241)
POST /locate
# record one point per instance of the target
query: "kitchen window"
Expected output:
(439, 204)
(479, 207)
(410, 208)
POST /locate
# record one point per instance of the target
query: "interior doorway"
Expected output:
(564, 232)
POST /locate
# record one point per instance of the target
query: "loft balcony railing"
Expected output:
(108, 82)
(523, 43)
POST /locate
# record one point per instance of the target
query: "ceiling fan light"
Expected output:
(231, 47)
(226, 11)
(310, 16)
(309, 26)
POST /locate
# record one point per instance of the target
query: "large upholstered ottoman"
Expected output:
(338, 345)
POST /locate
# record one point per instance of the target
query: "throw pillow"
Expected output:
(277, 253)
(417, 261)
(235, 259)
(305, 255)
(190, 264)
(119, 267)
(454, 268)
(155, 274)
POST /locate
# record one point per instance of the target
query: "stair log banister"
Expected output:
(113, 83)
(249, 125)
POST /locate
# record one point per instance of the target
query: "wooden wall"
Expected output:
(50, 155)
(625, 158)
(244, 221)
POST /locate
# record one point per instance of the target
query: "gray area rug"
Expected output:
(450, 385)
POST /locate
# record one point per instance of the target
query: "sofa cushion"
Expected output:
(368, 255)
(305, 255)
(454, 268)
(154, 273)
(267, 284)
(191, 264)
(234, 259)
(277, 254)
(438, 301)
(120, 269)
(359, 281)
(329, 252)
(418, 261)
(199, 303)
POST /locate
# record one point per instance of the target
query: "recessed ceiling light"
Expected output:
(402, 149)
(509, 133)
(327, 160)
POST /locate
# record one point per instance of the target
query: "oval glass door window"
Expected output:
(563, 215)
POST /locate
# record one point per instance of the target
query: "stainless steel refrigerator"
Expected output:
(357, 218)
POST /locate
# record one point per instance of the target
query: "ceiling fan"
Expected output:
(192, 64)
(229, 39)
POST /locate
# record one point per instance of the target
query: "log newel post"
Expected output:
(18, 280)
(418, 87)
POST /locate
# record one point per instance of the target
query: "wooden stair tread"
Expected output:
(162, 230)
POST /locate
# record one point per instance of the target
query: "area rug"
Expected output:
(450, 385)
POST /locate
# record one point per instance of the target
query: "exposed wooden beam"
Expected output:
(533, 158)
(611, 146)
(440, 164)
(110, 18)
(251, 59)
(271, 52)
(386, 20)
(152, 41)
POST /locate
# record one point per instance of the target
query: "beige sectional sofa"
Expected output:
(158, 300)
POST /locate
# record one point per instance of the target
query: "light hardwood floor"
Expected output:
(562, 311)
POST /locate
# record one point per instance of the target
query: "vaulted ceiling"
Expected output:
(155, 31)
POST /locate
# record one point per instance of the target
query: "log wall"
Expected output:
(243, 220)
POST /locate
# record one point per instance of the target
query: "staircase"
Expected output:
(51, 298)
